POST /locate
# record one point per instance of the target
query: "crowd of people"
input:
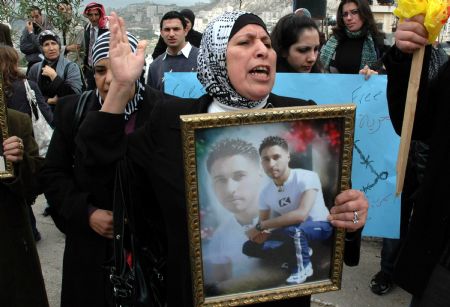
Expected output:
(111, 117)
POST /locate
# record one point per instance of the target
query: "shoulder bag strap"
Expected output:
(31, 97)
(119, 203)
(79, 111)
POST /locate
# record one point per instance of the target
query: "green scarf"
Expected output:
(369, 53)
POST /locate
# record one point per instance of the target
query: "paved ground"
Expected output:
(355, 284)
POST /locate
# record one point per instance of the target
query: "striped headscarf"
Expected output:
(100, 51)
(211, 61)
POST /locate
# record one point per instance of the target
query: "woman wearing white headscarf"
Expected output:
(80, 198)
(236, 65)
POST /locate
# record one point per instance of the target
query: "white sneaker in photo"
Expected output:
(300, 276)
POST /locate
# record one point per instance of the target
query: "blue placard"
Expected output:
(376, 143)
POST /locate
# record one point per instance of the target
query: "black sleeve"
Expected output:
(352, 247)
(61, 88)
(398, 67)
(57, 177)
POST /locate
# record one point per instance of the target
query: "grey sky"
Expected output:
(122, 3)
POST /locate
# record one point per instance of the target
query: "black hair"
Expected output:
(187, 13)
(286, 33)
(5, 35)
(273, 141)
(35, 8)
(366, 15)
(173, 15)
(231, 147)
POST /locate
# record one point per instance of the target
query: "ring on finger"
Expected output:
(355, 217)
(20, 144)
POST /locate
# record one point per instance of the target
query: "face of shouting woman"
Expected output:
(251, 62)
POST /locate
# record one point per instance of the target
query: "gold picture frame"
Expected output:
(6, 167)
(320, 140)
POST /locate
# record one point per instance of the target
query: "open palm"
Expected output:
(125, 65)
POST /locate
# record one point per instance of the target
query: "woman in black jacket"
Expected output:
(237, 68)
(21, 280)
(81, 197)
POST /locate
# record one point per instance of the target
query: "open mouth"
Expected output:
(260, 70)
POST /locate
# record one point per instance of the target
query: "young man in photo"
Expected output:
(292, 212)
(236, 178)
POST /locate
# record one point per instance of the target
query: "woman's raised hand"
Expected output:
(125, 65)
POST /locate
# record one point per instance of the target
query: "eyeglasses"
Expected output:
(350, 13)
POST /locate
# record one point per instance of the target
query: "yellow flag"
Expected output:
(435, 12)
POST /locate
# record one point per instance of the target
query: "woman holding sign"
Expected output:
(236, 65)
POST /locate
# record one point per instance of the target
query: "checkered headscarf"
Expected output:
(100, 51)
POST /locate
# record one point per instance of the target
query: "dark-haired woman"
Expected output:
(21, 281)
(296, 41)
(16, 99)
(14, 87)
(356, 43)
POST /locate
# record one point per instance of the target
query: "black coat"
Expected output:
(71, 189)
(156, 150)
(429, 228)
(21, 281)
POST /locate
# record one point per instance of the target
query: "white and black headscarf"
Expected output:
(100, 51)
(211, 62)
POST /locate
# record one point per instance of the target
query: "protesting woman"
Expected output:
(80, 198)
(236, 65)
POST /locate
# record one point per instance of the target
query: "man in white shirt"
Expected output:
(236, 178)
(180, 55)
(292, 211)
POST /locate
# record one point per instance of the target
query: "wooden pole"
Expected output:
(408, 118)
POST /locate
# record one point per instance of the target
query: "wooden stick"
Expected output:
(408, 118)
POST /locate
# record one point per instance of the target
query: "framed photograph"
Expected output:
(6, 167)
(259, 187)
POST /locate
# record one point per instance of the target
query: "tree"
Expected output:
(14, 10)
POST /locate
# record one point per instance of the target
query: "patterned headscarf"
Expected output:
(211, 62)
(103, 20)
(100, 51)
